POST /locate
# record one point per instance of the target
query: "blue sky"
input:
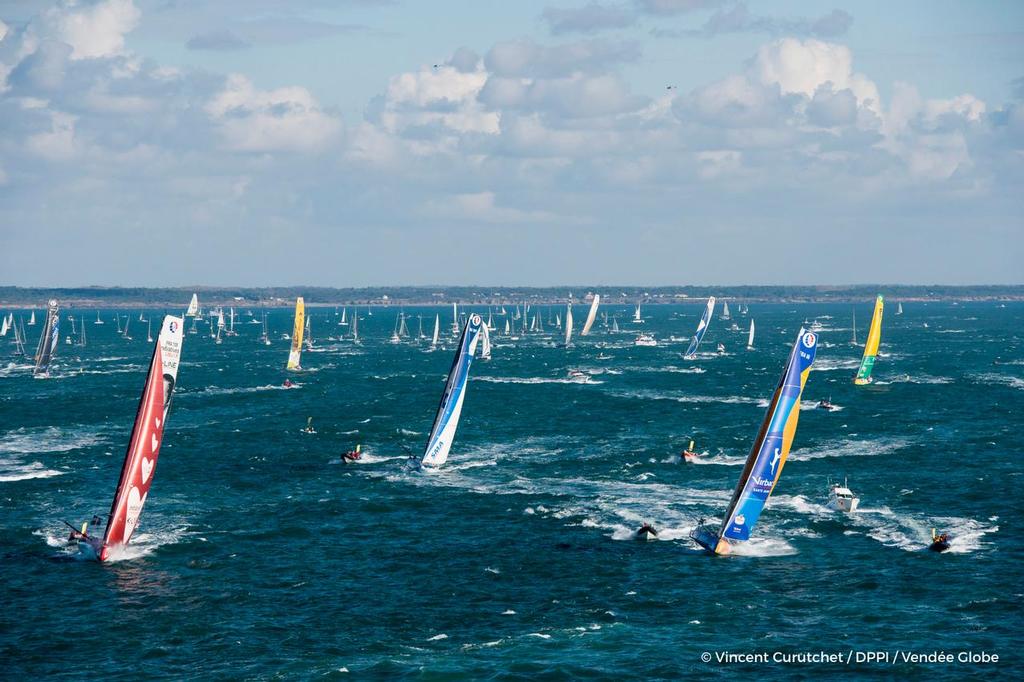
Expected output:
(176, 142)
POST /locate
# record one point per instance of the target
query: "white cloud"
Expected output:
(93, 30)
(285, 119)
(802, 66)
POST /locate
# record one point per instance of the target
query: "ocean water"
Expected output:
(260, 555)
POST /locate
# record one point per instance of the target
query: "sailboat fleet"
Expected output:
(758, 478)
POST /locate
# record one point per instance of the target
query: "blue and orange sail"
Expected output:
(768, 454)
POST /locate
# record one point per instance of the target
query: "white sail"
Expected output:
(455, 318)
(485, 342)
(636, 315)
(568, 324)
(508, 328)
(193, 306)
(591, 316)
(750, 338)
(344, 314)
(32, 319)
(899, 308)
(437, 331)
(725, 311)
(4, 327)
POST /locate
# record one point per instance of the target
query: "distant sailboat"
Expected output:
(81, 335)
(899, 308)
(395, 336)
(568, 325)
(702, 329)
(19, 338)
(98, 320)
(442, 434)
(437, 331)
(264, 338)
(591, 316)
(455, 319)
(143, 447)
(149, 333)
(32, 319)
(750, 338)
(47, 341)
(295, 354)
(767, 456)
(344, 317)
(307, 338)
(124, 334)
(636, 314)
(725, 311)
(853, 341)
(867, 362)
(193, 306)
(4, 326)
(230, 331)
(355, 326)
(615, 325)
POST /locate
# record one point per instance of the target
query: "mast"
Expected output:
(867, 362)
(568, 324)
(702, 329)
(295, 354)
(147, 437)
(591, 316)
(750, 339)
(47, 340)
(437, 331)
(446, 421)
(768, 453)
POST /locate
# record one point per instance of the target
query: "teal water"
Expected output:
(259, 555)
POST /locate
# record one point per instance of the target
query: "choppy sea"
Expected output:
(260, 555)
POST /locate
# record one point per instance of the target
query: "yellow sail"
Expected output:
(867, 363)
(300, 323)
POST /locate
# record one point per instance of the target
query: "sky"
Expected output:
(647, 142)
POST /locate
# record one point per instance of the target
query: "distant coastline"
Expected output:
(118, 297)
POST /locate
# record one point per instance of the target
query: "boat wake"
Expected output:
(535, 380)
(849, 448)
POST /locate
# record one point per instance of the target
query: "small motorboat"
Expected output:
(826, 404)
(646, 533)
(689, 454)
(734, 327)
(940, 542)
(841, 498)
(288, 383)
(352, 455)
(645, 340)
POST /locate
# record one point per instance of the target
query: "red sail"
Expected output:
(139, 461)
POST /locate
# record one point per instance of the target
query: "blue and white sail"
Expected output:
(767, 455)
(702, 329)
(448, 412)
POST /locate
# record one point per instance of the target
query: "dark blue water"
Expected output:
(260, 555)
